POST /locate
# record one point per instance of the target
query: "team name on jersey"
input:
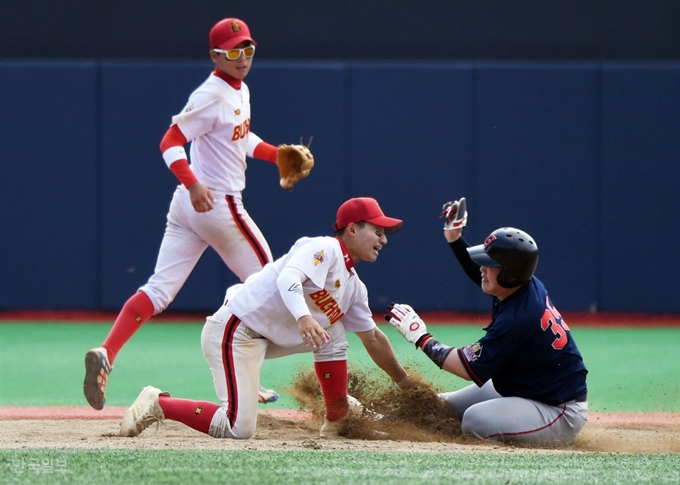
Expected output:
(327, 304)
(240, 131)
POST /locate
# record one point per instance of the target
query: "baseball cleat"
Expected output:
(267, 395)
(145, 411)
(97, 370)
(358, 409)
(354, 406)
(333, 429)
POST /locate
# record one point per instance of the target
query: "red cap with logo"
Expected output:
(228, 33)
(366, 209)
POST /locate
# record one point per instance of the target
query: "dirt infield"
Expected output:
(83, 428)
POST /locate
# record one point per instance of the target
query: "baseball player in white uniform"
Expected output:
(207, 208)
(304, 301)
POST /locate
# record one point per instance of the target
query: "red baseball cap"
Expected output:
(366, 209)
(228, 33)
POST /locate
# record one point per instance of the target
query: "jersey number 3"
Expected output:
(552, 320)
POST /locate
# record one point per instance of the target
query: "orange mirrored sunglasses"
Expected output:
(234, 54)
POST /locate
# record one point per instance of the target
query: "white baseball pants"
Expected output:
(235, 354)
(228, 229)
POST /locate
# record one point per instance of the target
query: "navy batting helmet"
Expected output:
(512, 250)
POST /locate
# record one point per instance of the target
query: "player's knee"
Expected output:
(450, 399)
(335, 349)
(475, 423)
(330, 353)
(158, 301)
(220, 427)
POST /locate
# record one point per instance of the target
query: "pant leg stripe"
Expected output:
(228, 365)
(529, 431)
(247, 233)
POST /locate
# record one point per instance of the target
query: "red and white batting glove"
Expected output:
(409, 324)
(455, 214)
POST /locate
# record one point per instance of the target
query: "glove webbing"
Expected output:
(437, 351)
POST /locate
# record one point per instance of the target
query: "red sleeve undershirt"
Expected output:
(172, 138)
(265, 151)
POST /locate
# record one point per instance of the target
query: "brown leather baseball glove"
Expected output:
(294, 162)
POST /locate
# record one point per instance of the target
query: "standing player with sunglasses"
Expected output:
(207, 208)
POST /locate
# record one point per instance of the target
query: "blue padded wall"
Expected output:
(639, 178)
(583, 156)
(290, 102)
(49, 122)
(536, 157)
(138, 102)
(410, 129)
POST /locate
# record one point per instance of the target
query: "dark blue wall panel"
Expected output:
(583, 156)
(290, 102)
(410, 130)
(49, 197)
(639, 176)
(536, 159)
(138, 102)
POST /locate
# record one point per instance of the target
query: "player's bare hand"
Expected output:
(453, 235)
(202, 199)
(313, 335)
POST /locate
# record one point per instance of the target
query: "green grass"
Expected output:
(631, 369)
(336, 467)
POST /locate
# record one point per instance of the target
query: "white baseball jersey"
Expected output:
(216, 119)
(333, 292)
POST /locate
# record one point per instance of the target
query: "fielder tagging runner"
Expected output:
(207, 208)
(304, 301)
(529, 377)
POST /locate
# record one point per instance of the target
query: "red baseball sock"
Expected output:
(136, 311)
(195, 414)
(333, 381)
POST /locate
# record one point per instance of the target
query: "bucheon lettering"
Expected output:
(241, 130)
(327, 304)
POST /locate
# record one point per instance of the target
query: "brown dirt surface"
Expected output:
(604, 433)
(417, 422)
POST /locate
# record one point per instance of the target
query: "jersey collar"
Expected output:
(231, 81)
(498, 304)
(349, 264)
